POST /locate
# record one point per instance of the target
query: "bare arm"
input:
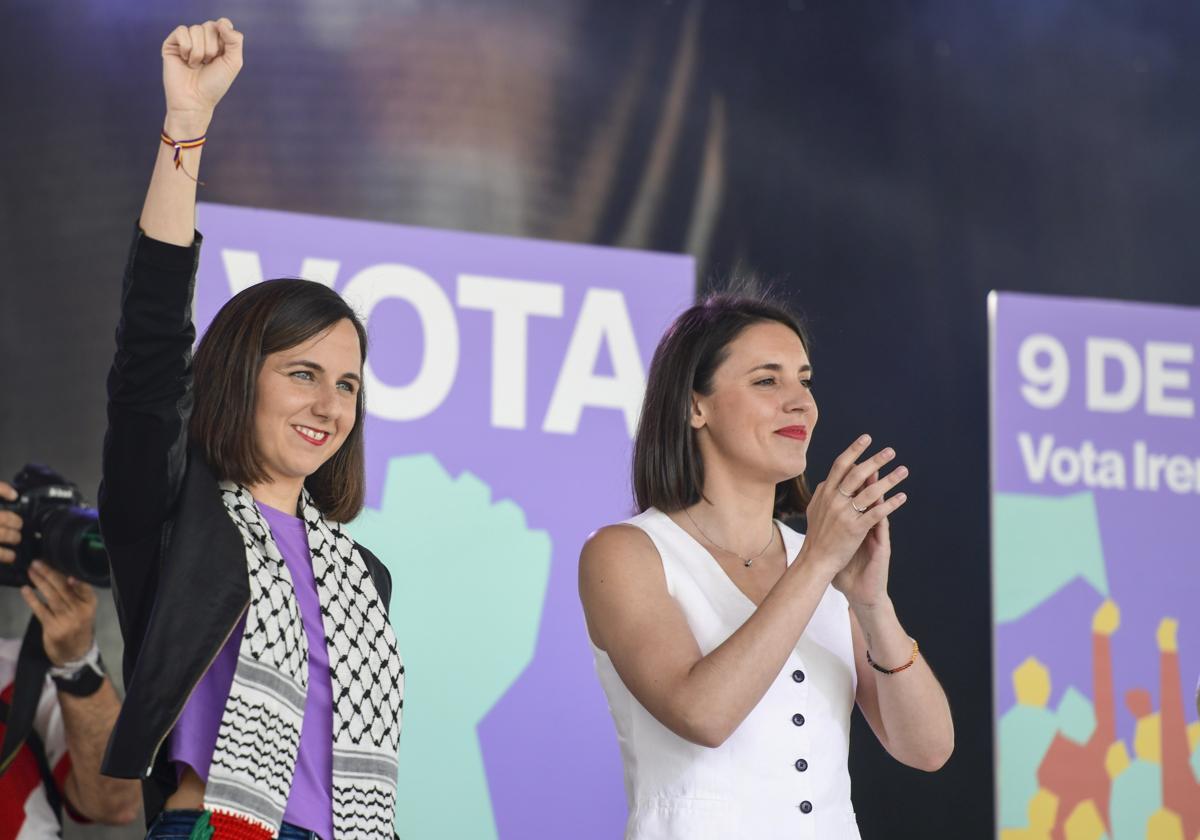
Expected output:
(88, 721)
(907, 711)
(633, 618)
(199, 64)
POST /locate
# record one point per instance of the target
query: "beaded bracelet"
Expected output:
(907, 664)
(179, 146)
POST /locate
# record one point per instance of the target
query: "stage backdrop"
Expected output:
(503, 387)
(1095, 506)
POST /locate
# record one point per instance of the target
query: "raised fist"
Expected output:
(200, 62)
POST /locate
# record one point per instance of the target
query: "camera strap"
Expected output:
(28, 682)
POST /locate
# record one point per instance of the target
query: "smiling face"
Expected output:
(759, 417)
(306, 404)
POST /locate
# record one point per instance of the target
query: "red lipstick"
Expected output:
(793, 432)
(318, 440)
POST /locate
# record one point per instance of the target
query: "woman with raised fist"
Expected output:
(264, 687)
(732, 662)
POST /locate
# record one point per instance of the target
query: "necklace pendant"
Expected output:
(748, 562)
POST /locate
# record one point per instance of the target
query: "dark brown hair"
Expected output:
(253, 324)
(668, 471)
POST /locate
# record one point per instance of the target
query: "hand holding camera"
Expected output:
(43, 517)
(10, 524)
(66, 608)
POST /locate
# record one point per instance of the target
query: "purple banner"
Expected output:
(1096, 496)
(503, 385)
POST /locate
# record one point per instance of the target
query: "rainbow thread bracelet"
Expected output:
(907, 664)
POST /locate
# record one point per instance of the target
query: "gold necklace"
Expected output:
(746, 561)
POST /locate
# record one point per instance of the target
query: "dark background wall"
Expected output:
(883, 165)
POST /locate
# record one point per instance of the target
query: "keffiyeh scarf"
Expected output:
(255, 756)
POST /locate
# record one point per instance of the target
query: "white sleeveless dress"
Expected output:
(783, 772)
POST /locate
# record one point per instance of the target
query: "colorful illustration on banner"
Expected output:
(1094, 735)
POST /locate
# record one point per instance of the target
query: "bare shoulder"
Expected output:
(622, 550)
(619, 573)
(620, 540)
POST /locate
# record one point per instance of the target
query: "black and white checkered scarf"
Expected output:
(255, 756)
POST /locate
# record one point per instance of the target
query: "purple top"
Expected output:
(310, 802)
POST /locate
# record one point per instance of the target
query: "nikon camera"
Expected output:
(58, 529)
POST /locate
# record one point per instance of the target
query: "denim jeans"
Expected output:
(177, 825)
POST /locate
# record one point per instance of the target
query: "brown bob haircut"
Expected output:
(256, 322)
(668, 471)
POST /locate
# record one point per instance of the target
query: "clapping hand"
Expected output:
(864, 579)
(848, 522)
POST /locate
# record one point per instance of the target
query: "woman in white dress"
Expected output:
(732, 648)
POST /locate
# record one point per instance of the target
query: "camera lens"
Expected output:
(72, 544)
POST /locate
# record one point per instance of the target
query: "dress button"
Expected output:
(806, 807)
(798, 719)
(798, 675)
(801, 764)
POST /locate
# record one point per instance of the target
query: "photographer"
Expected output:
(58, 766)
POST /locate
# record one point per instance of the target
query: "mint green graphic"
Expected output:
(1136, 795)
(1041, 545)
(455, 555)
(1076, 717)
(1026, 733)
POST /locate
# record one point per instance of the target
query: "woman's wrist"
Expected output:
(186, 125)
(817, 563)
(878, 615)
(887, 643)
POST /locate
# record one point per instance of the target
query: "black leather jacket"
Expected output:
(178, 563)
